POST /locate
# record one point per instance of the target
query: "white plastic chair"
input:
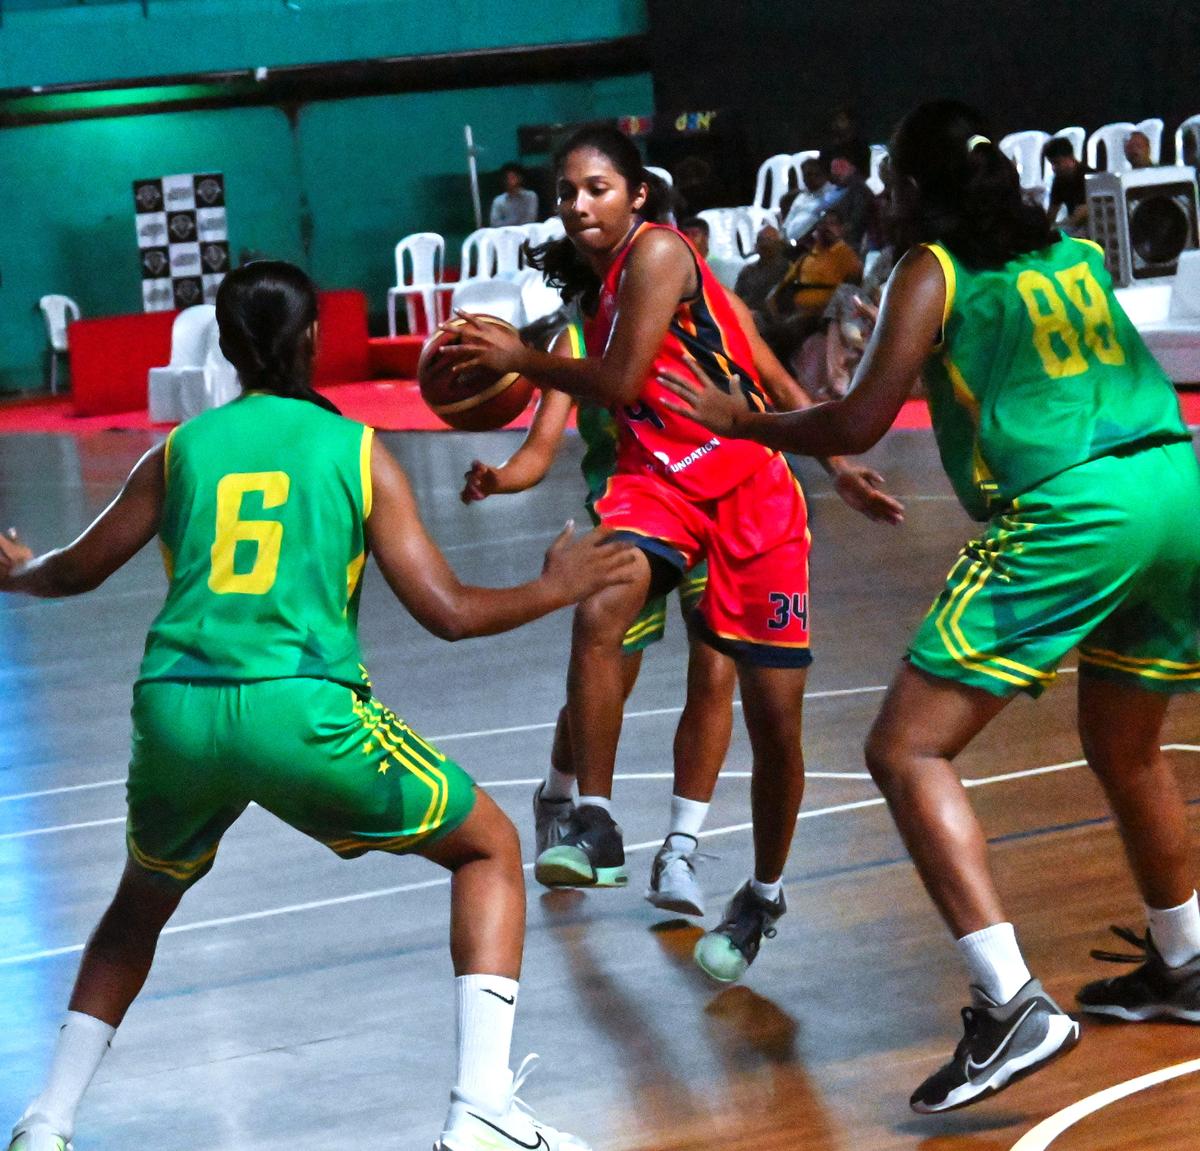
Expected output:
(1113, 137)
(1025, 150)
(1189, 129)
(879, 153)
(508, 243)
(663, 175)
(477, 258)
(215, 384)
(191, 333)
(747, 223)
(58, 312)
(771, 184)
(418, 275)
(500, 298)
(722, 232)
(538, 299)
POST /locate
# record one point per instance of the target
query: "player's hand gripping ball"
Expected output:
(475, 399)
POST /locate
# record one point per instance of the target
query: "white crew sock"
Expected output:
(1176, 931)
(768, 891)
(995, 962)
(487, 1005)
(559, 785)
(82, 1042)
(687, 818)
(595, 801)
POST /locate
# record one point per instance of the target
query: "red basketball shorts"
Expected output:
(755, 538)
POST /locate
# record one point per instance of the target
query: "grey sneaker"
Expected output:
(1151, 991)
(590, 854)
(725, 952)
(551, 818)
(1003, 1042)
(673, 885)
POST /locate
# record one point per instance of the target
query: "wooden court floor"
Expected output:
(303, 1003)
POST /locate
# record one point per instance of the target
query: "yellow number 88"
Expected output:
(267, 535)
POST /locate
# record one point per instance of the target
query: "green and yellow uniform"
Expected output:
(598, 430)
(252, 686)
(1056, 425)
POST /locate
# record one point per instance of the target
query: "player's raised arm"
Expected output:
(116, 535)
(417, 571)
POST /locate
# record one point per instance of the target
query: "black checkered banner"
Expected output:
(183, 239)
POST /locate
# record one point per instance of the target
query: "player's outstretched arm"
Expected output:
(417, 571)
(528, 465)
(116, 535)
(859, 486)
(909, 325)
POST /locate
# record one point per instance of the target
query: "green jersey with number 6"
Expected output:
(1039, 370)
(262, 535)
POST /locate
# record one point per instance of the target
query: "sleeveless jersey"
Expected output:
(1039, 369)
(651, 438)
(262, 536)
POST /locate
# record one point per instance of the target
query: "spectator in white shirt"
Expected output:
(810, 203)
(516, 204)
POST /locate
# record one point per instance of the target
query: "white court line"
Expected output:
(1041, 1136)
(31, 956)
(833, 693)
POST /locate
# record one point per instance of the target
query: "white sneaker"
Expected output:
(551, 818)
(471, 1128)
(35, 1134)
(673, 884)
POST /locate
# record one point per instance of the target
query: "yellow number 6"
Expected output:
(267, 535)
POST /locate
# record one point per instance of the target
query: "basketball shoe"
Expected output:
(1002, 1042)
(590, 854)
(1151, 991)
(673, 884)
(471, 1128)
(551, 818)
(725, 952)
(33, 1133)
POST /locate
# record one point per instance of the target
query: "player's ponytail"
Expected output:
(266, 314)
(559, 261)
(957, 187)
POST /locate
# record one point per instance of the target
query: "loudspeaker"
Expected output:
(1143, 219)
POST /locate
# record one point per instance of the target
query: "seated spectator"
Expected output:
(516, 204)
(849, 166)
(1137, 150)
(696, 230)
(697, 186)
(756, 280)
(810, 203)
(1069, 189)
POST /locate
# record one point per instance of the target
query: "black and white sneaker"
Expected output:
(728, 949)
(1002, 1043)
(590, 854)
(1151, 991)
(551, 818)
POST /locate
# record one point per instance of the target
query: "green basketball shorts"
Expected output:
(1104, 556)
(651, 623)
(335, 765)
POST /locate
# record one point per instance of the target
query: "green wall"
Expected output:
(356, 175)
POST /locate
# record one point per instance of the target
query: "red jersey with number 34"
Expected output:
(654, 439)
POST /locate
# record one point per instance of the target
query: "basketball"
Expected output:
(474, 400)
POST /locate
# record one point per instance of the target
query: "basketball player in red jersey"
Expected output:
(680, 494)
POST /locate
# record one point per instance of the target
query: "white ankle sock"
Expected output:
(487, 1005)
(768, 891)
(559, 785)
(687, 816)
(1176, 931)
(595, 801)
(82, 1042)
(995, 962)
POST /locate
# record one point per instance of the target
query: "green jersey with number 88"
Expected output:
(1039, 370)
(265, 563)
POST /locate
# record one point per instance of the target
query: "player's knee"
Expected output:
(602, 619)
(886, 756)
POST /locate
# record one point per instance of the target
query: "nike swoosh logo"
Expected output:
(509, 999)
(973, 1067)
(541, 1139)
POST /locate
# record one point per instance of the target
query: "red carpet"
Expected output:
(390, 405)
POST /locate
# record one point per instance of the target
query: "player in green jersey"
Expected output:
(705, 725)
(1058, 428)
(252, 689)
